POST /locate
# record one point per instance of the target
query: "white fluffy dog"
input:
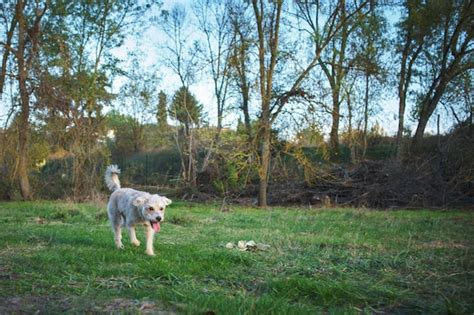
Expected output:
(129, 207)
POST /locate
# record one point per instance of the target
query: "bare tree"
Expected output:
(182, 60)
(268, 18)
(324, 25)
(240, 68)
(214, 22)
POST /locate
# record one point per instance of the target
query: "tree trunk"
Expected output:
(264, 167)
(245, 110)
(25, 106)
(266, 72)
(402, 85)
(420, 130)
(23, 152)
(339, 74)
(334, 134)
(401, 123)
(349, 130)
(366, 115)
(427, 109)
(6, 52)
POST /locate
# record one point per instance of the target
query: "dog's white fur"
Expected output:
(129, 207)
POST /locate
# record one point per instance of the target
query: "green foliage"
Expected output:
(162, 111)
(185, 108)
(320, 260)
(37, 155)
(54, 180)
(230, 179)
(157, 168)
(381, 151)
(122, 141)
(310, 137)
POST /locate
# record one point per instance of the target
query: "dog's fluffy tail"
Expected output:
(111, 177)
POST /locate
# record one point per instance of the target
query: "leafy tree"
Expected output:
(162, 111)
(188, 112)
(185, 108)
(77, 67)
(449, 55)
(411, 40)
(123, 140)
(138, 98)
(23, 42)
(435, 44)
(368, 47)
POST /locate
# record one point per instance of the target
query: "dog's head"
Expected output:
(152, 208)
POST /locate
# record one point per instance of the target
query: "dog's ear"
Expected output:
(139, 201)
(166, 200)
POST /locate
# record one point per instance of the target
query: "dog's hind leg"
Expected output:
(116, 222)
(118, 236)
(133, 236)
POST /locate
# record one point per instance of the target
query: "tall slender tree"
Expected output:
(182, 58)
(240, 68)
(214, 22)
(268, 18)
(368, 48)
(25, 23)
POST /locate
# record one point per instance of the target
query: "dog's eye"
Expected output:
(151, 209)
(161, 209)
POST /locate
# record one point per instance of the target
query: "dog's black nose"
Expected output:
(158, 218)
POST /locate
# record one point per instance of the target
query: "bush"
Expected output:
(54, 179)
(156, 168)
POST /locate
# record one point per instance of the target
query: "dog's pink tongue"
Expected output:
(155, 226)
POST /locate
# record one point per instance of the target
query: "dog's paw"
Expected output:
(136, 243)
(150, 253)
(120, 246)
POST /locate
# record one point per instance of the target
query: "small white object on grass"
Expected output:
(248, 246)
(242, 245)
(251, 244)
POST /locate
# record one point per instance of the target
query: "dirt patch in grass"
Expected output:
(33, 305)
(120, 305)
(181, 220)
(7, 274)
(49, 305)
(442, 244)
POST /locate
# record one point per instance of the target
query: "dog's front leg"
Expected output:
(149, 240)
(118, 236)
(133, 236)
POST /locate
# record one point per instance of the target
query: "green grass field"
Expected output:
(60, 257)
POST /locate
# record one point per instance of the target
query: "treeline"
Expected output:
(303, 79)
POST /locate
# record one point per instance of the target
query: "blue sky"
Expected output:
(149, 42)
